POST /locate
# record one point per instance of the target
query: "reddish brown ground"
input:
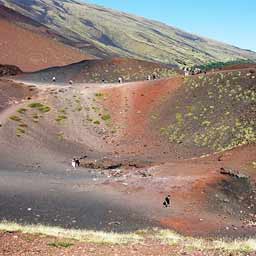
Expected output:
(132, 110)
(136, 102)
(30, 50)
(11, 93)
(193, 184)
(17, 244)
(239, 66)
(101, 71)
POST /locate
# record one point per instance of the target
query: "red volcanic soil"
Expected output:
(239, 66)
(204, 202)
(18, 244)
(11, 93)
(102, 71)
(133, 108)
(136, 102)
(30, 50)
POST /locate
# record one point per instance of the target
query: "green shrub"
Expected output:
(40, 107)
(22, 110)
(20, 131)
(23, 125)
(61, 244)
(15, 118)
(61, 118)
(96, 122)
(106, 117)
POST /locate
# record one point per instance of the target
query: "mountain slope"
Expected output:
(104, 32)
(97, 71)
(30, 46)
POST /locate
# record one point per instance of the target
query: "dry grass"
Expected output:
(172, 238)
(80, 235)
(164, 236)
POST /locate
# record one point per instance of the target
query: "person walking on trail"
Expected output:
(54, 79)
(120, 80)
(77, 162)
(167, 201)
(74, 163)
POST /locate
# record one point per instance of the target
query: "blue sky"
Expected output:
(230, 21)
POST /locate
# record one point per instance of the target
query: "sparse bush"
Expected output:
(23, 125)
(96, 122)
(106, 117)
(61, 244)
(20, 131)
(40, 107)
(15, 118)
(79, 108)
(61, 118)
(22, 110)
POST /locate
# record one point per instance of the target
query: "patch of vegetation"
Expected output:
(98, 237)
(113, 131)
(61, 118)
(220, 64)
(60, 135)
(217, 246)
(22, 110)
(35, 118)
(39, 106)
(99, 95)
(216, 112)
(89, 119)
(60, 244)
(96, 122)
(23, 125)
(15, 118)
(79, 108)
(106, 117)
(63, 111)
(96, 109)
(20, 131)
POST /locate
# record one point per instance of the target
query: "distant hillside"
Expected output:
(215, 111)
(106, 33)
(31, 46)
(95, 71)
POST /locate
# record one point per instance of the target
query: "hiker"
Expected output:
(54, 79)
(120, 80)
(70, 82)
(186, 73)
(167, 201)
(77, 162)
(74, 163)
